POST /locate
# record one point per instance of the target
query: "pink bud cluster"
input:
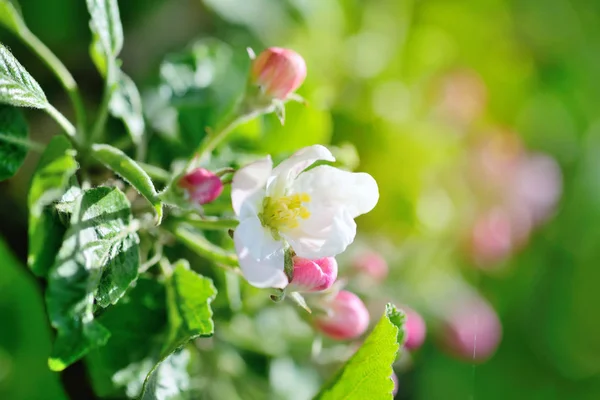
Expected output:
(525, 187)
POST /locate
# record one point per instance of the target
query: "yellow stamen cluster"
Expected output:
(283, 212)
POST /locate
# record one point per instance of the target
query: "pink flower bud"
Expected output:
(201, 186)
(472, 331)
(415, 329)
(279, 72)
(348, 317)
(313, 275)
(371, 264)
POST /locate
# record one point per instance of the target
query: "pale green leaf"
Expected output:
(10, 15)
(107, 31)
(17, 87)
(99, 243)
(13, 141)
(126, 104)
(130, 171)
(50, 181)
(367, 375)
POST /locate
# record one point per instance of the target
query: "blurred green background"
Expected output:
(443, 100)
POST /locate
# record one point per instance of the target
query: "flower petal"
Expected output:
(263, 271)
(326, 233)
(331, 187)
(247, 184)
(260, 242)
(288, 170)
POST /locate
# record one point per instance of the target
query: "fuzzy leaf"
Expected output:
(126, 104)
(10, 15)
(107, 32)
(188, 308)
(131, 172)
(98, 252)
(367, 375)
(50, 181)
(13, 138)
(17, 87)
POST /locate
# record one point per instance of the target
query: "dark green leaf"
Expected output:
(126, 104)
(49, 183)
(99, 256)
(13, 141)
(10, 15)
(17, 87)
(137, 324)
(188, 306)
(367, 375)
(107, 33)
(129, 170)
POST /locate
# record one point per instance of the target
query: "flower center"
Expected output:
(283, 212)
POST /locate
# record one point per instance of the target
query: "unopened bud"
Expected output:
(278, 72)
(415, 329)
(201, 186)
(347, 318)
(472, 330)
(371, 264)
(313, 275)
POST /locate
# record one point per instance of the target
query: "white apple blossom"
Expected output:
(313, 211)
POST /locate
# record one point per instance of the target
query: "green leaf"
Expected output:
(107, 33)
(131, 172)
(13, 141)
(10, 15)
(188, 306)
(17, 87)
(50, 181)
(367, 375)
(126, 104)
(99, 257)
(170, 379)
(137, 324)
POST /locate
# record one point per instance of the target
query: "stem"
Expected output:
(210, 224)
(103, 110)
(64, 123)
(61, 72)
(35, 146)
(201, 246)
(213, 139)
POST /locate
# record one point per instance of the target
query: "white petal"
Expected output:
(326, 233)
(248, 183)
(285, 173)
(261, 272)
(331, 187)
(256, 238)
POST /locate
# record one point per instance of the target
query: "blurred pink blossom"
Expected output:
(371, 264)
(279, 72)
(201, 186)
(347, 317)
(415, 329)
(472, 330)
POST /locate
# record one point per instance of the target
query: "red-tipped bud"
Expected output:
(279, 72)
(201, 186)
(371, 264)
(347, 318)
(313, 275)
(415, 330)
(472, 331)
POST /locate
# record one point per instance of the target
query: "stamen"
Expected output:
(283, 212)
